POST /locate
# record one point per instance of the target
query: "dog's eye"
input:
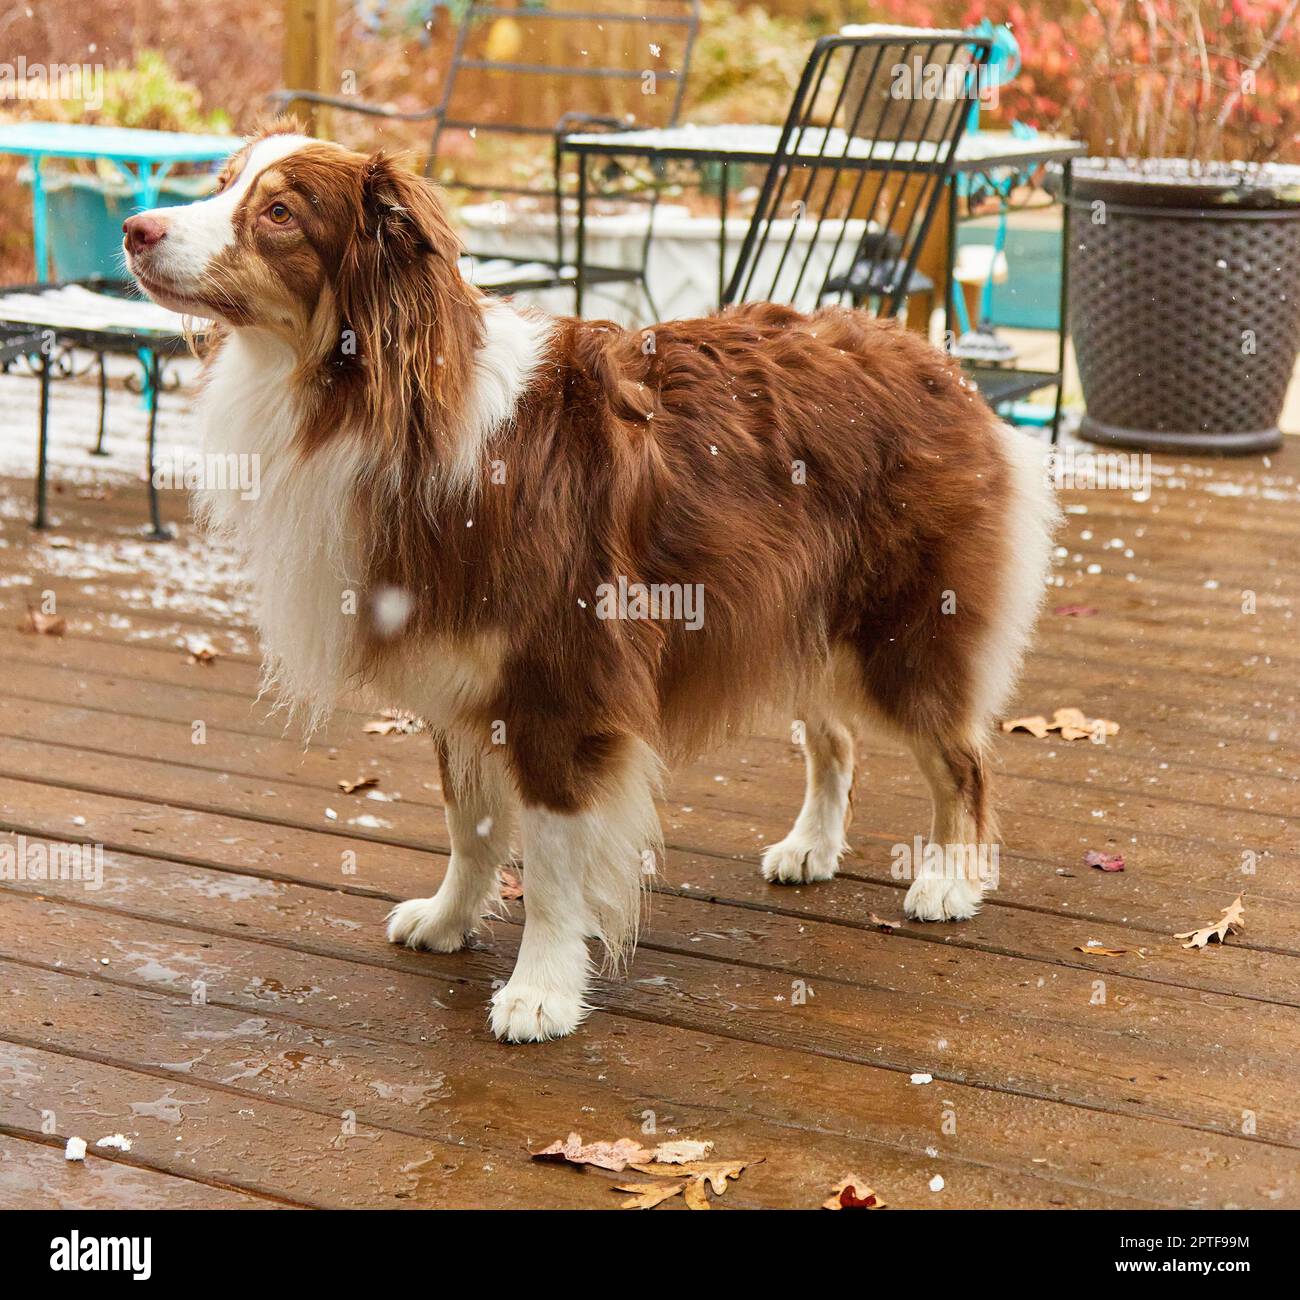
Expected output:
(279, 214)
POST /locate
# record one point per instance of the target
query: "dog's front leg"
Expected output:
(480, 820)
(545, 996)
(584, 871)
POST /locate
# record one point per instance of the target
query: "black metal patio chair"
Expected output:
(656, 40)
(865, 153)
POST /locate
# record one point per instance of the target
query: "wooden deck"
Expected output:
(228, 1002)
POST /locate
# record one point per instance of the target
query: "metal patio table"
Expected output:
(38, 320)
(977, 152)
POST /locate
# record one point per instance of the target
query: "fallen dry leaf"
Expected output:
(882, 924)
(1072, 723)
(693, 1178)
(393, 722)
(852, 1193)
(1036, 726)
(645, 1196)
(40, 624)
(510, 885)
(201, 654)
(1231, 922)
(361, 783)
(1102, 861)
(715, 1173)
(1075, 611)
(682, 1155)
(614, 1156)
(678, 1168)
(1099, 950)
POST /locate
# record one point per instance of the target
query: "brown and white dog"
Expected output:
(452, 487)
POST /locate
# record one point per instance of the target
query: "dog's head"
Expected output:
(349, 257)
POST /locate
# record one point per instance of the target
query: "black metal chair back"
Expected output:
(860, 169)
(655, 39)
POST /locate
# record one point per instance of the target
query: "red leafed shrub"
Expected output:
(1204, 79)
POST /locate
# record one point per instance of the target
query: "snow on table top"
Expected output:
(75, 307)
(908, 33)
(761, 140)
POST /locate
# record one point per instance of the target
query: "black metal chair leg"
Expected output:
(644, 282)
(42, 447)
(157, 533)
(103, 407)
(580, 237)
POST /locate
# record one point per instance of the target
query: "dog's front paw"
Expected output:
(939, 898)
(429, 924)
(800, 860)
(526, 1013)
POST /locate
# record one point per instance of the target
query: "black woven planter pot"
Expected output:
(1184, 292)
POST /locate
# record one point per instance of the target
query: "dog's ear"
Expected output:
(411, 323)
(404, 215)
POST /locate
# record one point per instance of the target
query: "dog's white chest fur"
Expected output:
(298, 535)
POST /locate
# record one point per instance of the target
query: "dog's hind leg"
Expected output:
(584, 868)
(813, 848)
(480, 817)
(961, 857)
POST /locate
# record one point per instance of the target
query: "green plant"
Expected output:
(146, 94)
(746, 64)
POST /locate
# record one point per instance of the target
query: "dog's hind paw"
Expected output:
(939, 898)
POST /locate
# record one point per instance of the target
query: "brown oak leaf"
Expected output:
(716, 1173)
(1036, 726)
(361, 783)
(614, 1156)
(645, 1196)
(1231, 922)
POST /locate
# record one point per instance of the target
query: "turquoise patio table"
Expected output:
(143, 157)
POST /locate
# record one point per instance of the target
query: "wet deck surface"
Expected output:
(227, 1000)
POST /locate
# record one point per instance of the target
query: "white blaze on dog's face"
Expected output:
(259, 251)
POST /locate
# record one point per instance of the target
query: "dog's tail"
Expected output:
(1031, 519)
